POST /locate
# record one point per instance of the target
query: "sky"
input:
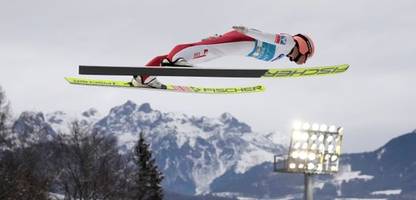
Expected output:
(43, 41)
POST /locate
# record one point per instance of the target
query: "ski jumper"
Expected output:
(256, 44)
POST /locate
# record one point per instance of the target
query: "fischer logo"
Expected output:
(93, 82)
(305, 72)
(201, 54)
(228, 90)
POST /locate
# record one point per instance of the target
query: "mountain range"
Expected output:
(223, 157)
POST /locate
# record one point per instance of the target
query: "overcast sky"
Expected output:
(43, 41)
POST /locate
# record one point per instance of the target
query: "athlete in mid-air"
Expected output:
(241, 41)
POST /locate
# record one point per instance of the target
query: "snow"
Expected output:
(128, 139)
(252, 157)
(319, 184)
(207, 122)
(186, 132)
(55, 196)
(204, 173)
(278, 138)
(387, 192)
(257, 150)
(226, 194)
(147, 118)
(288, 197)
(60, 121)
(241, 197)
(358, 199)
(174, 116)
(347, 175)
(380, 153)
(251, 198)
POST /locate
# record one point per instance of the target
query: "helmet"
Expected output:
(305, 45)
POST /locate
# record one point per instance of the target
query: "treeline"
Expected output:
(80, 164)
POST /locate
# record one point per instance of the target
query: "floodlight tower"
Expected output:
(314, 149)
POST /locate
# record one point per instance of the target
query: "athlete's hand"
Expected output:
(241, 29)
(211, 37)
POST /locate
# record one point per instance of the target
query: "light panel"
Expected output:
(314, 148)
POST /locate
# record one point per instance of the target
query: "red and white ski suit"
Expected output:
(262, 46)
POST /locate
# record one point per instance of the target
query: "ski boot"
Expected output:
(180, 62)
(150, 82)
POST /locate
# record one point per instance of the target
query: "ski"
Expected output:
(218, 72)
(170, 87)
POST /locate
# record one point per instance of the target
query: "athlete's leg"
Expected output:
(146, 80)
(231, 43)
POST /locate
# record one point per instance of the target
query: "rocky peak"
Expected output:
(55, 117)
(92, 112)
(125, 109)
(233, 124)
(32, 117)
(145, 108)
(32, 127)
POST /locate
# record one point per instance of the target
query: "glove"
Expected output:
(241, 29)
(211, 37)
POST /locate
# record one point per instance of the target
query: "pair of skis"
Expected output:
(200, 72)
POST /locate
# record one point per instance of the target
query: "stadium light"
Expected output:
(314, 149)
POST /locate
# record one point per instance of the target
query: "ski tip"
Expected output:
(68, 79)
(345, 66)
(306, 71)
(71, 80)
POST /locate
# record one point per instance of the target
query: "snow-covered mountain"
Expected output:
(386, 173)
(225, 157)
(59, 120)
(192, 151)
(31, 127)
(389, 171)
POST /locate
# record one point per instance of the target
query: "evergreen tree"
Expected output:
(148, 178)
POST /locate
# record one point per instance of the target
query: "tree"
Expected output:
(148, 178)
(4, 119)
(21, 174)
(90, 165)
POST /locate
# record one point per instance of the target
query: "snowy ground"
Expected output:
(387, 192)
(357, 199)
